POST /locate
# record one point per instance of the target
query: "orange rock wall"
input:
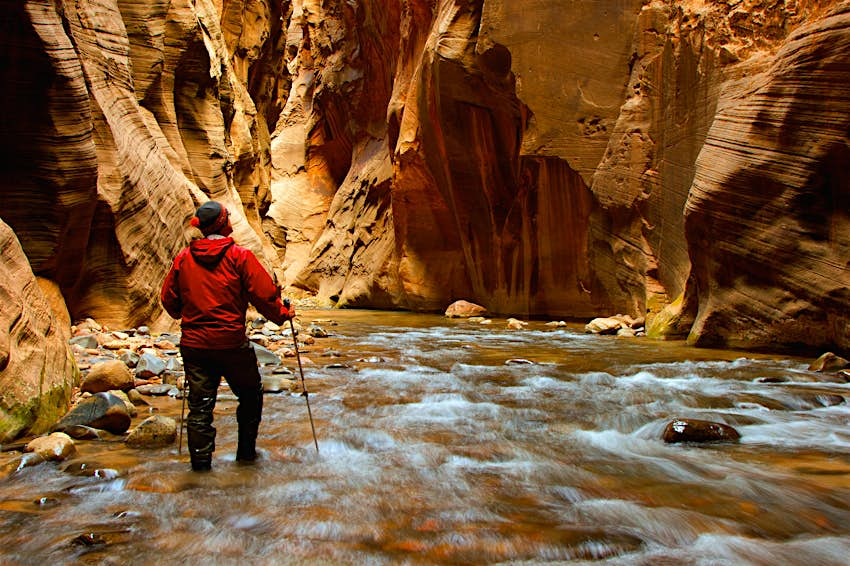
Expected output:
(539, 158)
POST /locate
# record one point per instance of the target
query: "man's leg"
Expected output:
(243, 377)
(204, 376)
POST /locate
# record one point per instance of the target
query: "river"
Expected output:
(434, 450)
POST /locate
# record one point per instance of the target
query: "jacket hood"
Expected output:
(208, 252)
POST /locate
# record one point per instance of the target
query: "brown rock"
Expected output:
(105, 376)
(101, 410)
(464, 309)
(56, 446)
(154, 432)
(603, 326)
(693, 430)
(36, 378)
(829, 362)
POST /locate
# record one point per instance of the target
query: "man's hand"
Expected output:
(289, 308)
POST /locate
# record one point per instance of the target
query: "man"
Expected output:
(209, 287)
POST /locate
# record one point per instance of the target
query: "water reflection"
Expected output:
(434, 450)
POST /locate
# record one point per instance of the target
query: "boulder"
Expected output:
(149, 366)
(264, 355)
(154, 432)
(608, 325)
(464, 309)
(694, 430)
(101, 410)
(105, 376)
(515, 324)
(55, 447)
(37, 369)
(829, 362)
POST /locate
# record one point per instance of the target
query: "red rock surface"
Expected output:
(533, 158)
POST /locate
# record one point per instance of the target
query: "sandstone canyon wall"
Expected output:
(542, 158)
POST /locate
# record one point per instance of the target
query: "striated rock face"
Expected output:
(767, 216)
(37, 369)
(537, 158)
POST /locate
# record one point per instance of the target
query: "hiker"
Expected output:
(209, 287)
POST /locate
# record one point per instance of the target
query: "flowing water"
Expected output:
(434, 450)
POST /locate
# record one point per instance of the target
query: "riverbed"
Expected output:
(448, 442)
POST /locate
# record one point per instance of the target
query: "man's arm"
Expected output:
(262, 291)
(170, 294)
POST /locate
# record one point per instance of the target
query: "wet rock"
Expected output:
(317, 331)
(277, 384)
(130, 359)
(271, 327)
(337, 366)
(131, 408)
(154, 432)
(331, 354)
(86, 470)
(282, 370)
(105, 376)
(46, 502)
(626, 332)
(772, 379)
(258, 323)
(82, 432)
(264, 355)
(173, 364)
(843, 376)
(137, 398)
(373, 360)
(259, 339)
(556, 323)
(603, 326)
(24, 461)
(143, 331)
(54, 447)
(464, 309)
(829, 362)
(88, 539)
(518, 361)
(85, 341)
(515, 324)
(149, 366)
(101, 410)
(155, 389)
(694, 430)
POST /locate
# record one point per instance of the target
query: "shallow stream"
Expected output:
(433, 449)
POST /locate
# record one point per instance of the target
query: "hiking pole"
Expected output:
(304, 385)
(182, 412)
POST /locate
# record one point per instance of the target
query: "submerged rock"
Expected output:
(694, 430)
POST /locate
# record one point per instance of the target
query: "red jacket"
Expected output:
(209, 287)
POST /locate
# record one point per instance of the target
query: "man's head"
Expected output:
(212, 218)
